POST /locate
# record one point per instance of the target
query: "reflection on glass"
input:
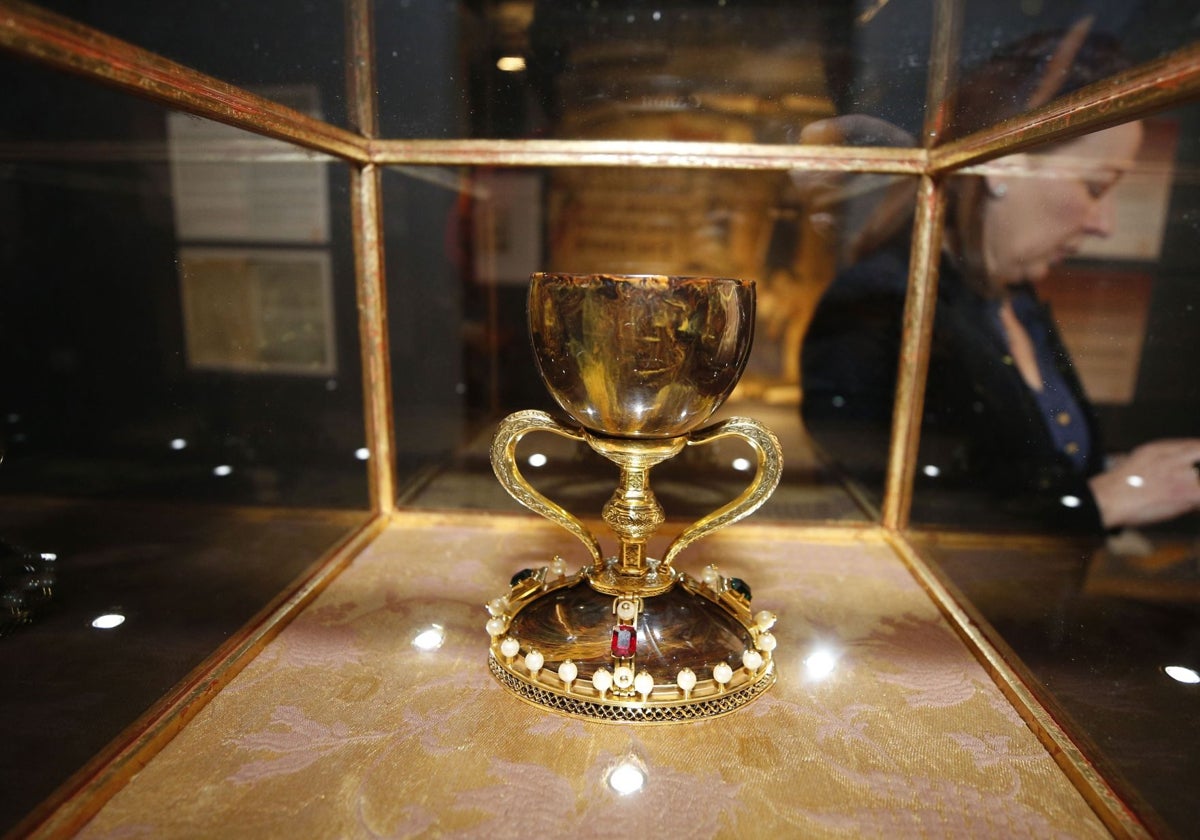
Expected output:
(290, 54)
(1141, 32)
(616, 69)
(179, 298)
(168, 335)
(1009, 429)
(461, 354)
(1179, 673)
(1106, 622)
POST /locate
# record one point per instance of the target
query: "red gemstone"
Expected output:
(624, 641)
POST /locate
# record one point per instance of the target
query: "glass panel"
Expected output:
(1022, 405)
(461, 245)
(850, 355)
(736, 72)
(1016, 57)
(1090, 292)
(182, 403)
(289, 53)
(1112, 648)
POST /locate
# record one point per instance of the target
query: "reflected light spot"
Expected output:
(1135, 481)
(627, 777)
(1070, 501)
(510, 63)
(362, 453)
(537, 459)
(741, 464)
(931, 470)
(839, 401)
(178, 443)
(223, 470)
(108, 621)
(49, 555)
(820, 664)
(1182, 674)
(430, 639)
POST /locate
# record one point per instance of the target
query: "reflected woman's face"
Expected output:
(1042, 207)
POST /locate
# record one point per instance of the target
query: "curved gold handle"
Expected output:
(504, 463)
(766, 479)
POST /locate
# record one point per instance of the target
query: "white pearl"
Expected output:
(626, 610)
(765, 642)
(711, 576)
(622, 676)
(643, 683)
(510, 647)
(765, 620)
(752, 659)
(559, 566)
(498, 606)
(496, 626)
(534, 662)
(722, 673)
(602, 681)
(686, 679)
(567, 672)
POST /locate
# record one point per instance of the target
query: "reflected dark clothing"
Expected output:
(1060, 401)
(1002, 453)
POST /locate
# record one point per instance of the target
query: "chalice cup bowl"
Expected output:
(640, 363)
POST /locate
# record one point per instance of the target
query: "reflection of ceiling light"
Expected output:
(178, 443)
(537, 459)
(223, 470)
(108, 621)
(1181, 674)
(430, 639)
(931, 470)
(511, 63)
(362, 453)
(627, 777)
(1070, 501)
(1135, 481)
(820, 664)
(741, 464)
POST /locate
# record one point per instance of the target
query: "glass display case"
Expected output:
(264, 275)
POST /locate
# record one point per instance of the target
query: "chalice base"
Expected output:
(700, 649)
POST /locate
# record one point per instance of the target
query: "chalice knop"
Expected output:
(640, 363)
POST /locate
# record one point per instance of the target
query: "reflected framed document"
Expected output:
(258, 310)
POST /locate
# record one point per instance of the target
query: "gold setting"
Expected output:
(640, 362)
(625, 688)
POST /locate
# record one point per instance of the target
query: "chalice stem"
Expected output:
(634, 514)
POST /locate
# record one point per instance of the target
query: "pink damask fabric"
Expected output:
(342, 728)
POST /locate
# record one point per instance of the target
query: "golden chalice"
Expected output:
(640, 363)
